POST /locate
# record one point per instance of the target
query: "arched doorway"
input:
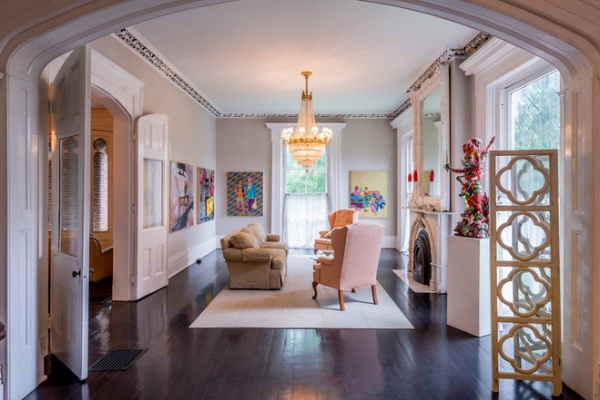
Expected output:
(32, 45)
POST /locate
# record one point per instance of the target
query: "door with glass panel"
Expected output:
(151, 271)
(70, 212)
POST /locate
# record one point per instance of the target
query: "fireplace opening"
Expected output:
(422, 258)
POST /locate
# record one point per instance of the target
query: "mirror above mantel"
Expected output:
(430, 143)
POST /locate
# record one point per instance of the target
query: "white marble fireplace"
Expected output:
(438, 226)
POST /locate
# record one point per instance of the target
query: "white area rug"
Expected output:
(293, 306)
(412, 284)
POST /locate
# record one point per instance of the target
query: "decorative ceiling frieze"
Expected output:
(143, 51)
(339, 116)
(446, 57)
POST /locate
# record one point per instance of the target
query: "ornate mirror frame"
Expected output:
(419, 200)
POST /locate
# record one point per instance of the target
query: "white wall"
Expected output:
(370, 145)
(245, 145)
(192, 133)
(242, 145)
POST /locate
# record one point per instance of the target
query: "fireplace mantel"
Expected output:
(438, 225)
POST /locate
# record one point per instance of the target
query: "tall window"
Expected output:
(100, 186)
(534, 112)
(305, 202)
(533, 122)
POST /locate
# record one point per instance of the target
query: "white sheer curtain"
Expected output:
(305, 214)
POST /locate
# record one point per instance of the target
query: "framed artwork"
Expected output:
(245, 194)
(206, 194)
(182, 197)
(369, 190)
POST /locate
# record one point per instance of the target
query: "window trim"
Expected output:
(298, 168)
(278, 166)
(504, 93)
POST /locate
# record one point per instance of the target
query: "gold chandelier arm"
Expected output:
(306, 144)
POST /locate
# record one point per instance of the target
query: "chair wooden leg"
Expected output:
(315, 289)
(341, 296)
(374, 290)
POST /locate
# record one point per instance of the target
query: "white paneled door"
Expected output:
(152, 215)
(70, 212)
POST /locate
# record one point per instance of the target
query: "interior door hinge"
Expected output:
(49, 106)
(132, 280)
(133, 208)
(49, 321)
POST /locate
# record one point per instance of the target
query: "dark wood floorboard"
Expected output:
(433, 361)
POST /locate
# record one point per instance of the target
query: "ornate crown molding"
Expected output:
(150, 56)
(143, 51)
(295, 116)
(403, 107)
(446, 57)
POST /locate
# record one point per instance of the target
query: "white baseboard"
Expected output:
(184, 259)
(389, 242)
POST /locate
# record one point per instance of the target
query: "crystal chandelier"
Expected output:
(306, 144)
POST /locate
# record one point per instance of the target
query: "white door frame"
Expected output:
(127, 92)
(70, 267)
(123, 96)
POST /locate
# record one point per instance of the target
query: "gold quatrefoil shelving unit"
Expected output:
(525, 267)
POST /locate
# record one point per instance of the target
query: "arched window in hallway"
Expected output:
(100, 186)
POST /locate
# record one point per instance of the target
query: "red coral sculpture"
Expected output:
(474, 219)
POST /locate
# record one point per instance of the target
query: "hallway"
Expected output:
(433, 361)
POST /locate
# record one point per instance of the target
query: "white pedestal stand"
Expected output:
(468, 304)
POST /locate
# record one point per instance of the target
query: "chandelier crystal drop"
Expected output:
(305, 143)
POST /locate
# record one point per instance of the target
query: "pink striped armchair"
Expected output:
(356, 250)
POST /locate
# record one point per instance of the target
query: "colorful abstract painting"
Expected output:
(368, 193)
(182, 196)
(245, 193)
(206, 195)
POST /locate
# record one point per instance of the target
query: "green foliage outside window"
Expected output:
(536, 123)
(300, 181)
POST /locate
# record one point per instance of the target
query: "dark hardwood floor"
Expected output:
(433, 361)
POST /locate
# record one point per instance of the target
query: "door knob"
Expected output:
(75, 273)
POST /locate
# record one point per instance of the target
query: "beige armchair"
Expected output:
(101, 260)
(337, 219)
(356, 250)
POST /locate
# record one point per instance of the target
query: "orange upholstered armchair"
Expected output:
(101, 260)
(337, 219)
(356, 250)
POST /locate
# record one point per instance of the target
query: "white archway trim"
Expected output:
(334, 170)
(120, 84)
(33, 33)
(498, 66)
(124, 93)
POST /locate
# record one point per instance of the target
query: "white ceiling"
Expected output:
(245, 57)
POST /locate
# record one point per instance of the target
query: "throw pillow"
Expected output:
(258, 231)
(242, 240)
